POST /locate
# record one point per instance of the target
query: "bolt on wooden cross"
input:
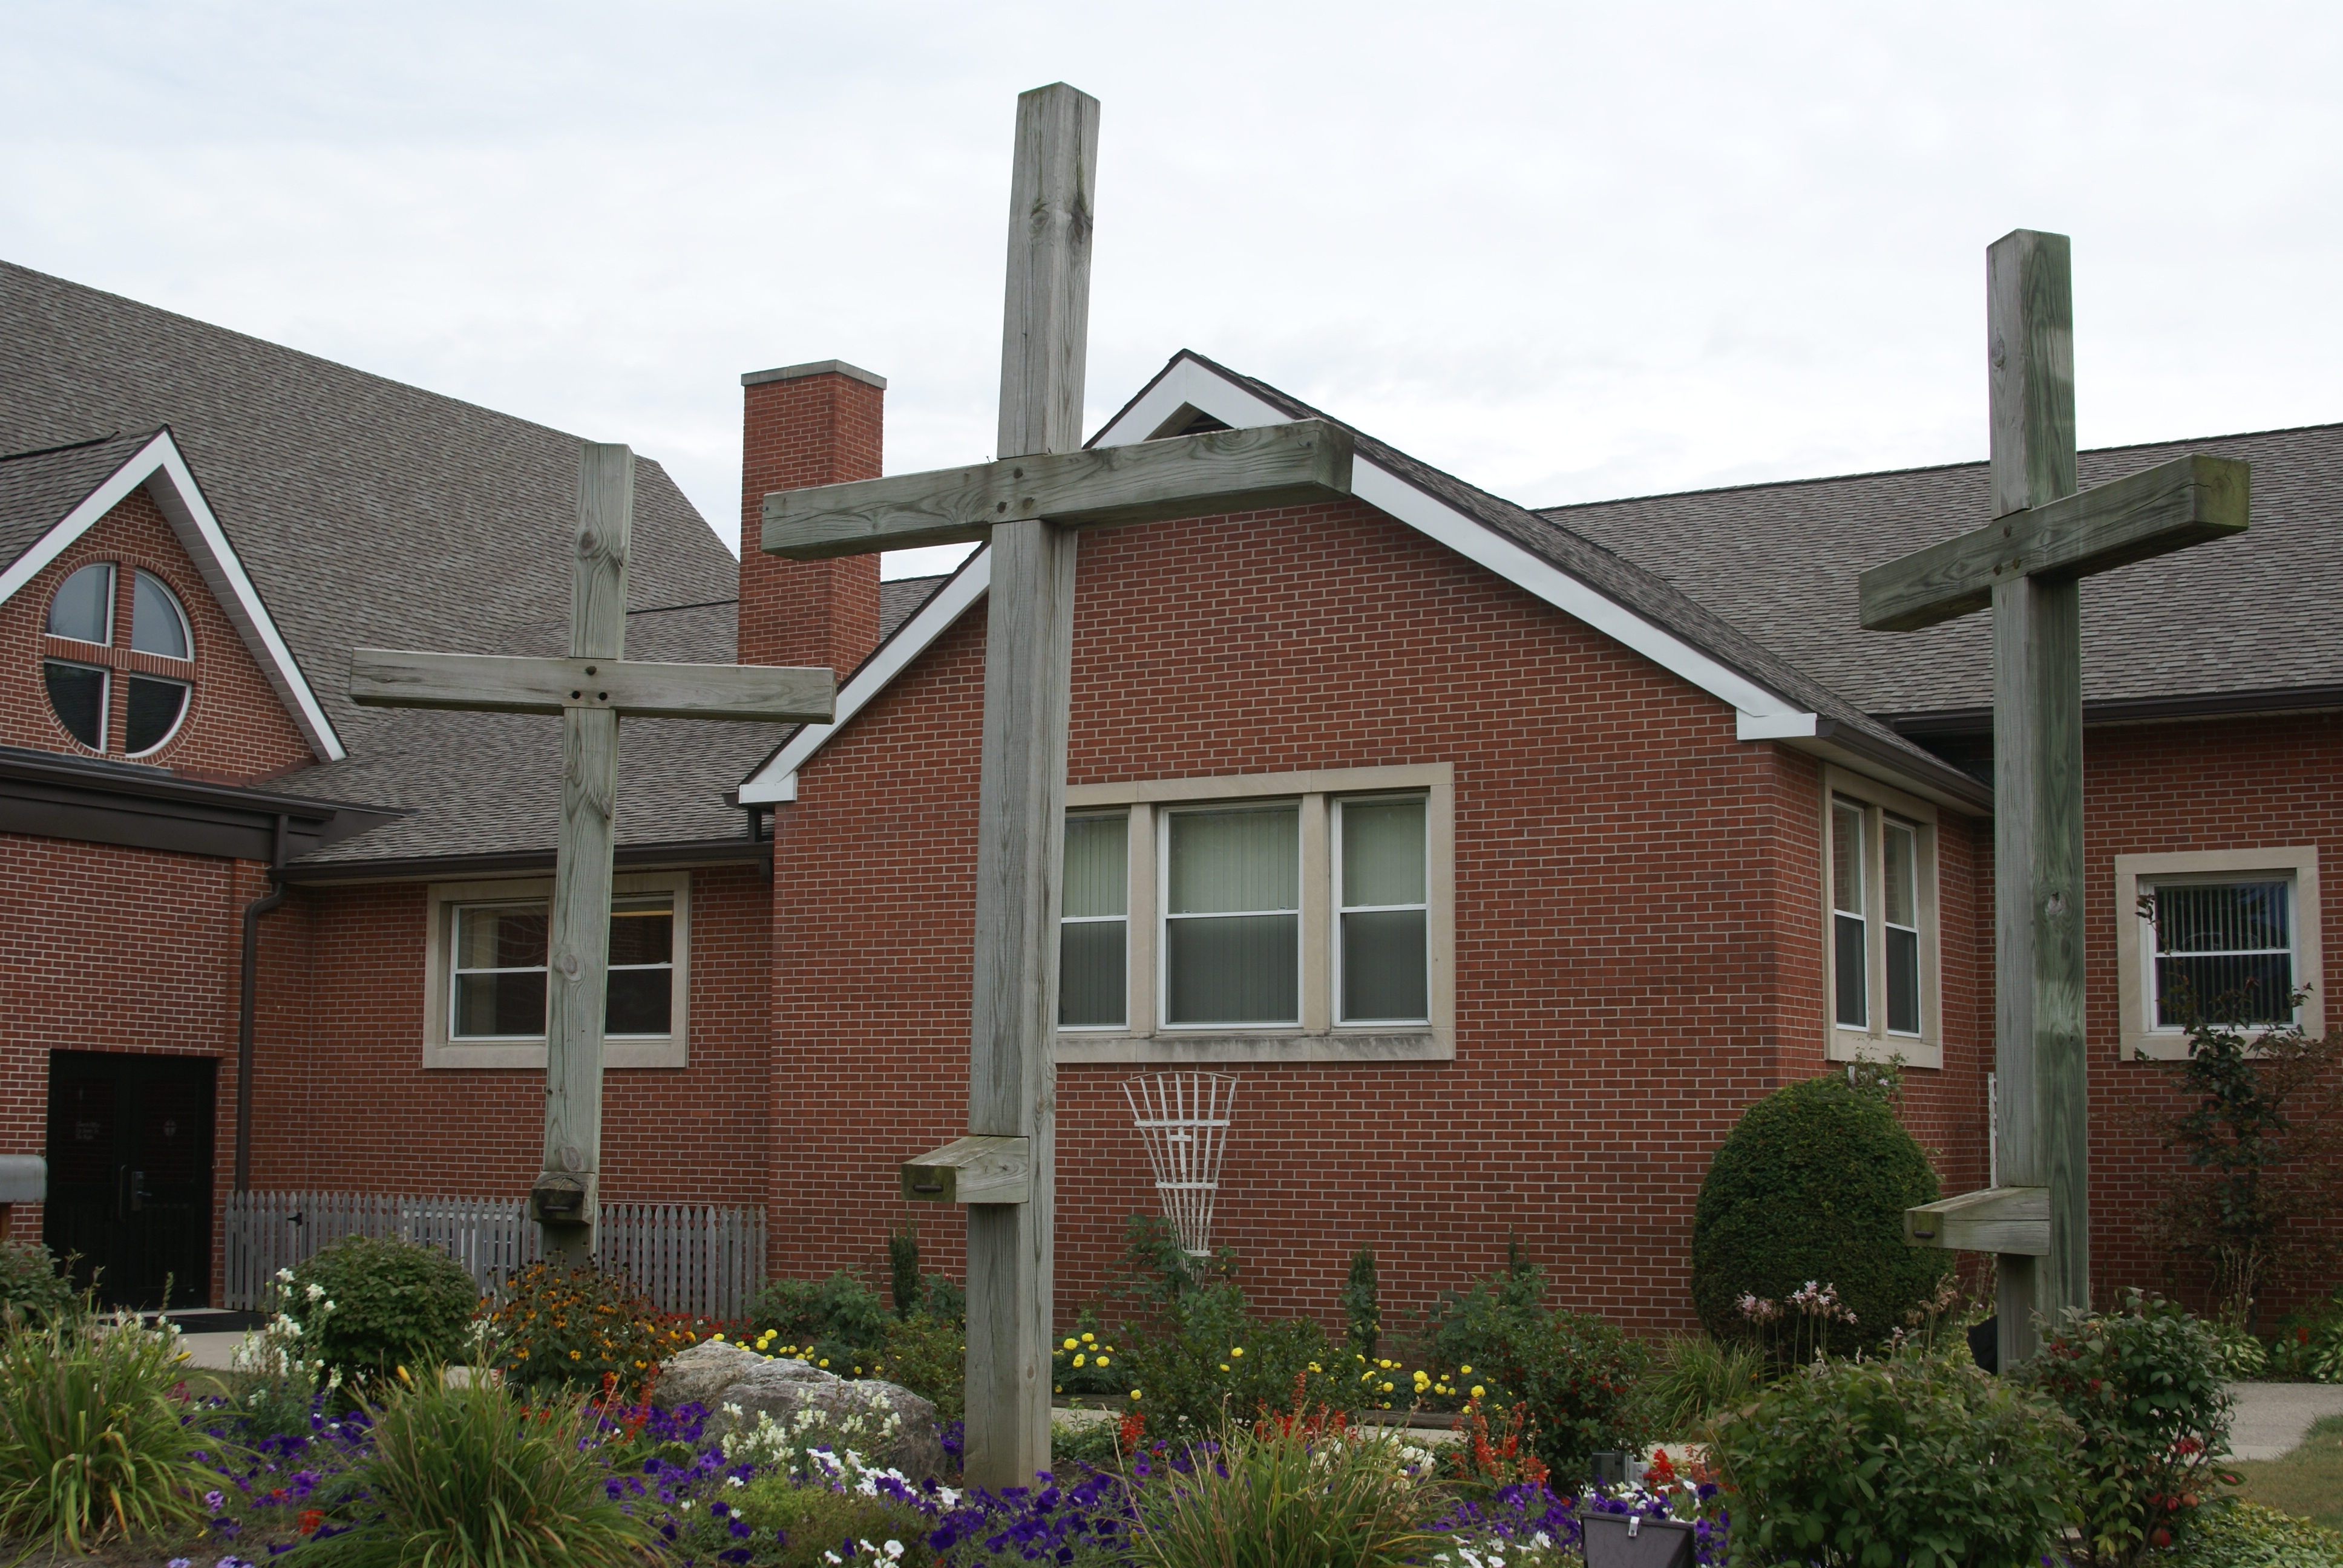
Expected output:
(2028, 566)
(1026, 506)
(589, 690)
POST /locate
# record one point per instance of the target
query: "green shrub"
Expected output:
(2235, 1534)
(1275, 1495)
(2146, 1386)
(91, 1440)
(395, 1303)
(584, 1329)
(465, 1473)
(1576, 1373)
(839, 1320)
(1210, 1362)
(903, 1270)
(1085, 1362)
(928, 1355)
(1362, 1304)
(1695, 1379)
(33, 1290)
(1917, 1461)
(1811, 1187)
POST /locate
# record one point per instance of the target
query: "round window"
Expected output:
(81, 681)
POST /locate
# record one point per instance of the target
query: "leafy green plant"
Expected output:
(903, 1268)
(1278, 1495)
(2235, 1534)
(839, 1321)
(2145, 1386)
(1694, 1378)
(584, 1329)
(1362, 1304)
(464, 1473)
(1810, 1188)
(2260, 1127)
(1915, 1460)
(34, 1290)
(92, 1445)
(381, 1304)
(282, 1373)
(1086, 1362)
(1155, 1270)
(928, 1355)
(793, 1526)
(1210, 1361)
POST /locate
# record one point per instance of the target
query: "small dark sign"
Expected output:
(1633, 1541)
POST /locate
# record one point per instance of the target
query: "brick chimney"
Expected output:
(804, 425)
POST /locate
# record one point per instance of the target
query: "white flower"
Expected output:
(315, 1292)
(831, 1557)
(893, 1548)
(734, 1480)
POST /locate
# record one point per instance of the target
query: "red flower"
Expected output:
(310, 1519)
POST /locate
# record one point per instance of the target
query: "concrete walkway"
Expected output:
(2273, 1418)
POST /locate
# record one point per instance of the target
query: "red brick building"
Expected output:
(1504, 855)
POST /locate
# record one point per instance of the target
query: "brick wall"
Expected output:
(819, 428)
(235, 730)
(1638, 938)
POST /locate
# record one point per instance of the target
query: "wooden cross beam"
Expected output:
(591, 690)
(1026, 507)
(2027, 565)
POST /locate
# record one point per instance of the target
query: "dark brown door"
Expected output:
(130, 1174)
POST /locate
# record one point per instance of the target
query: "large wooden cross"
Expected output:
(1026, 506)
(2028, 566)
(589, 690)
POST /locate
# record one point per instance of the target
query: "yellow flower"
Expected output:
(1463, 1371)
(1134, 1393)
(1088, 1338)
(1478, 1391)
(1316, 1368)
(573, 1355)
(1071, 1343)
(824, 1362)
(1224, 1366)
(1387, 1388)
(1236, 1350)
(1078, 1361)
(1103, 1361)
(716, 1336)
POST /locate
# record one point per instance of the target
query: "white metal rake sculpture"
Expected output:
(1183, 1119)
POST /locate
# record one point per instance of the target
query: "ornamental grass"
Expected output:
(92, 1442)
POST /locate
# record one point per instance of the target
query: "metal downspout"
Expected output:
(252, 913)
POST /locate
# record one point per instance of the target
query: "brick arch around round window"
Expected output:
(233, 726)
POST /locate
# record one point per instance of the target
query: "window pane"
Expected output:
(2246, 988)
(154, 623)
(1239, 970)
(83, 605)
(1847, 859)
(1090, 989)
(1383, 966)
(1243, 860)
(1383, 852)
(1097, 866)
(642, 931)
(2222, 918)
(77, 693)
(511, 936)
(1901, 847)
(638, 1001)
(1848, 961)
(154, 712)
(488, 1004)
(1904, 981)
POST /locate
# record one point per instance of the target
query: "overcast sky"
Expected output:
(1567, 251)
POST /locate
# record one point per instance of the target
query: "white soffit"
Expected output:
(162, 470)
(1761, 715)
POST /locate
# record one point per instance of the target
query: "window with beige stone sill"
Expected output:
(1880, 946)
(1261, 918)
(2239, 924)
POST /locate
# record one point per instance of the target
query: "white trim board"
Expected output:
(1761, 714)
(162, 470)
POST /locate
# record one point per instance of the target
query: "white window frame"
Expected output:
(619, 1051)
(1334, 926)
(1318, 1036)
(171, 598)
(1065, 920)
(105, 701)
(187, 707)
(113, 588)
(2136, 937)
(1874, 1041)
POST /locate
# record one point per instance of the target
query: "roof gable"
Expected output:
(1773, 699)
(104, 473)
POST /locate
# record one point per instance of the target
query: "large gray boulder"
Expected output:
(724, 1377)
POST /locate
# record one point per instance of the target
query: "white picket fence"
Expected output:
(687, 1258)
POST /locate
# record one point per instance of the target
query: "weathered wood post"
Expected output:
(589, 690)
(2028, 564)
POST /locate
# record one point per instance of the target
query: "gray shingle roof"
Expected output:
(374, 514)
(2248, 614)
(1623, 581)
(38, 488)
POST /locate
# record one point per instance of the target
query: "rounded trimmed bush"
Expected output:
(394, 1304)
(1811, 1185)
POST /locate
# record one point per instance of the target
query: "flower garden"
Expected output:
(1833, 1419)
